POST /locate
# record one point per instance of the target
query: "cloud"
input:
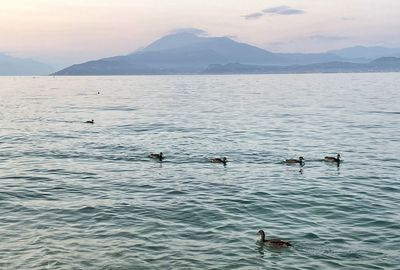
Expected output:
(253, 16)
(347, 18)
(327, 38)
(231, 36)
(276, 43)
(280, 10)
(283, 10)
(194, 31)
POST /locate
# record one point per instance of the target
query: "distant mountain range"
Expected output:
(13, 66)
(366, 53)
(187, 53)
(385, 64)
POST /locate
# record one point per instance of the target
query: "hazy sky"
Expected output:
(64, 32)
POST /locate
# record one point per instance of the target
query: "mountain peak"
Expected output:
(370, 53)
(10, 65)
(387, 60)
(188, 52)
(173, 41)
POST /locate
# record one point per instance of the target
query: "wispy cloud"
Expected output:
(327, 38)
(253, 16)
(279, 10)
(283, 10)
(231, 36)
(275, 43)
(347, 18)
(194, 31)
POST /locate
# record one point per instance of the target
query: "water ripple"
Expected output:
(78, 196)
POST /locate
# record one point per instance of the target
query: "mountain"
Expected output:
(307, 58)
(173, 41)
(176, 53)
(385, 64)
(186, 53)
(366, 53)
(226, 48)
(13, 66)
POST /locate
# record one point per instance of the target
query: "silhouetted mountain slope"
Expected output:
(307, 58)
(368, 53)
(12, 66)
(186, 53)
(173, 41)
(386, 64)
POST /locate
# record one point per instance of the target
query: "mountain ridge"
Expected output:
(384, 64)
(366, 52)
(14, 66)
(187, 53)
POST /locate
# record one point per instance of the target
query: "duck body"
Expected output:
(333, 159)
(223, 160)
(156, 156)
(294, 161)
(276, 243)
(90, 122)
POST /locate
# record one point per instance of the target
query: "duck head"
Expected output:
(262, 234)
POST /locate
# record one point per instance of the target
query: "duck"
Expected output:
(292, 161)
(90, 122)
(276, 243)
(156, 156)
(223, 160)
(333, 159)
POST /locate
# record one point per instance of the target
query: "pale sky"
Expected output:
(64, 32)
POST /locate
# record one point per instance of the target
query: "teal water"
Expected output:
(81, 196)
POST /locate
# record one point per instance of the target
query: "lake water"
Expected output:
(82, 196)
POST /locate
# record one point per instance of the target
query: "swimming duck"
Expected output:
(156, 156)
(333, 159)
(292, 161)
(90, 122)
(223, 160)
(276, 243)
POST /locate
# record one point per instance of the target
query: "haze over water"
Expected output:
(82, 196)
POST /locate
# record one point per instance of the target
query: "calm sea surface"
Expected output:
(82, 196)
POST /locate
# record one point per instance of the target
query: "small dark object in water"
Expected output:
(292, 161)
(90, 122)
(223, 160)
(333, 159)
(276, 243)
(157, 156)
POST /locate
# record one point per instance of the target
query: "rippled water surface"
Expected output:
(82, 196)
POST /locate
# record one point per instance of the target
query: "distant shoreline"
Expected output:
(201, 74)
(384, 64)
